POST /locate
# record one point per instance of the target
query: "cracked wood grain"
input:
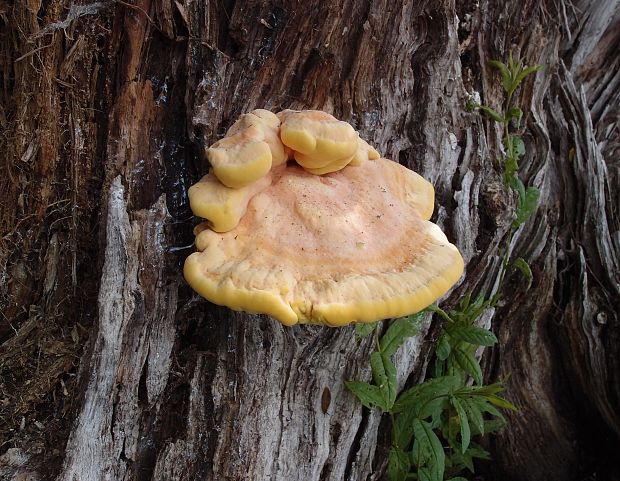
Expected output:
(99, 159)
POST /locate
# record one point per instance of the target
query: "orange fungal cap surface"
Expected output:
(351, 246)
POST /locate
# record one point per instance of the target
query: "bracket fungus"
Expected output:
(339, 236)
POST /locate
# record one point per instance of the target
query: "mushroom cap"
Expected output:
(364, 152)
(351, 246)
(333, 166)
(269, 124)
(241, 158)
(222, 206)
(318, 136)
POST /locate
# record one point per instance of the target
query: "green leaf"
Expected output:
(515, 113)
(470, 105)
(473, 335)
(463, 303)
(468, 363)
(494, 114)
(511, 167)
(484, 390)
(501, 402)
(400, 330)
(420, 455)
(527, 205)
(384, 375)
(525, 72)
(363, 329)
(465, 460)
(521, 264)
(493, 425)
(429, 440)
(458, 478)
(368, 394)
(487, 407)
(463, 423)
(434, 408)
(415, 397)
(443, 347)
(403, 429)
(474, 414)
(476, 451)
(424, 475)
(503, 69)
(398, 465)
(519, 145)
(439, 368)
(517, 185)
(476, 308)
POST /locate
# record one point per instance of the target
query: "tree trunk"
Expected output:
(112, 368)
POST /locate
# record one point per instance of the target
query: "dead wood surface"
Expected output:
(111, 368)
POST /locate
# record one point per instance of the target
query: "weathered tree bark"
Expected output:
(112, 368)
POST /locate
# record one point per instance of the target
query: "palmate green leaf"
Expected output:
(494, 114)
(427, 438)
(363, 329)
(398, 465)
(463, 423)
(527, 205)
(415, 397)
(473, 335)
(368, 394)
(400, 330)
(468, 363)
(521, 264)
(384, 375)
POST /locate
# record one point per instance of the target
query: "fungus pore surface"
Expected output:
(352, 245)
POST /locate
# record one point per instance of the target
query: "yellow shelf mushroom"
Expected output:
(242, 158)
(320, 142)
(269, 124)
(222, 206)
(354, 245)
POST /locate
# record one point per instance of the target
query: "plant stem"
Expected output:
(440, 311)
